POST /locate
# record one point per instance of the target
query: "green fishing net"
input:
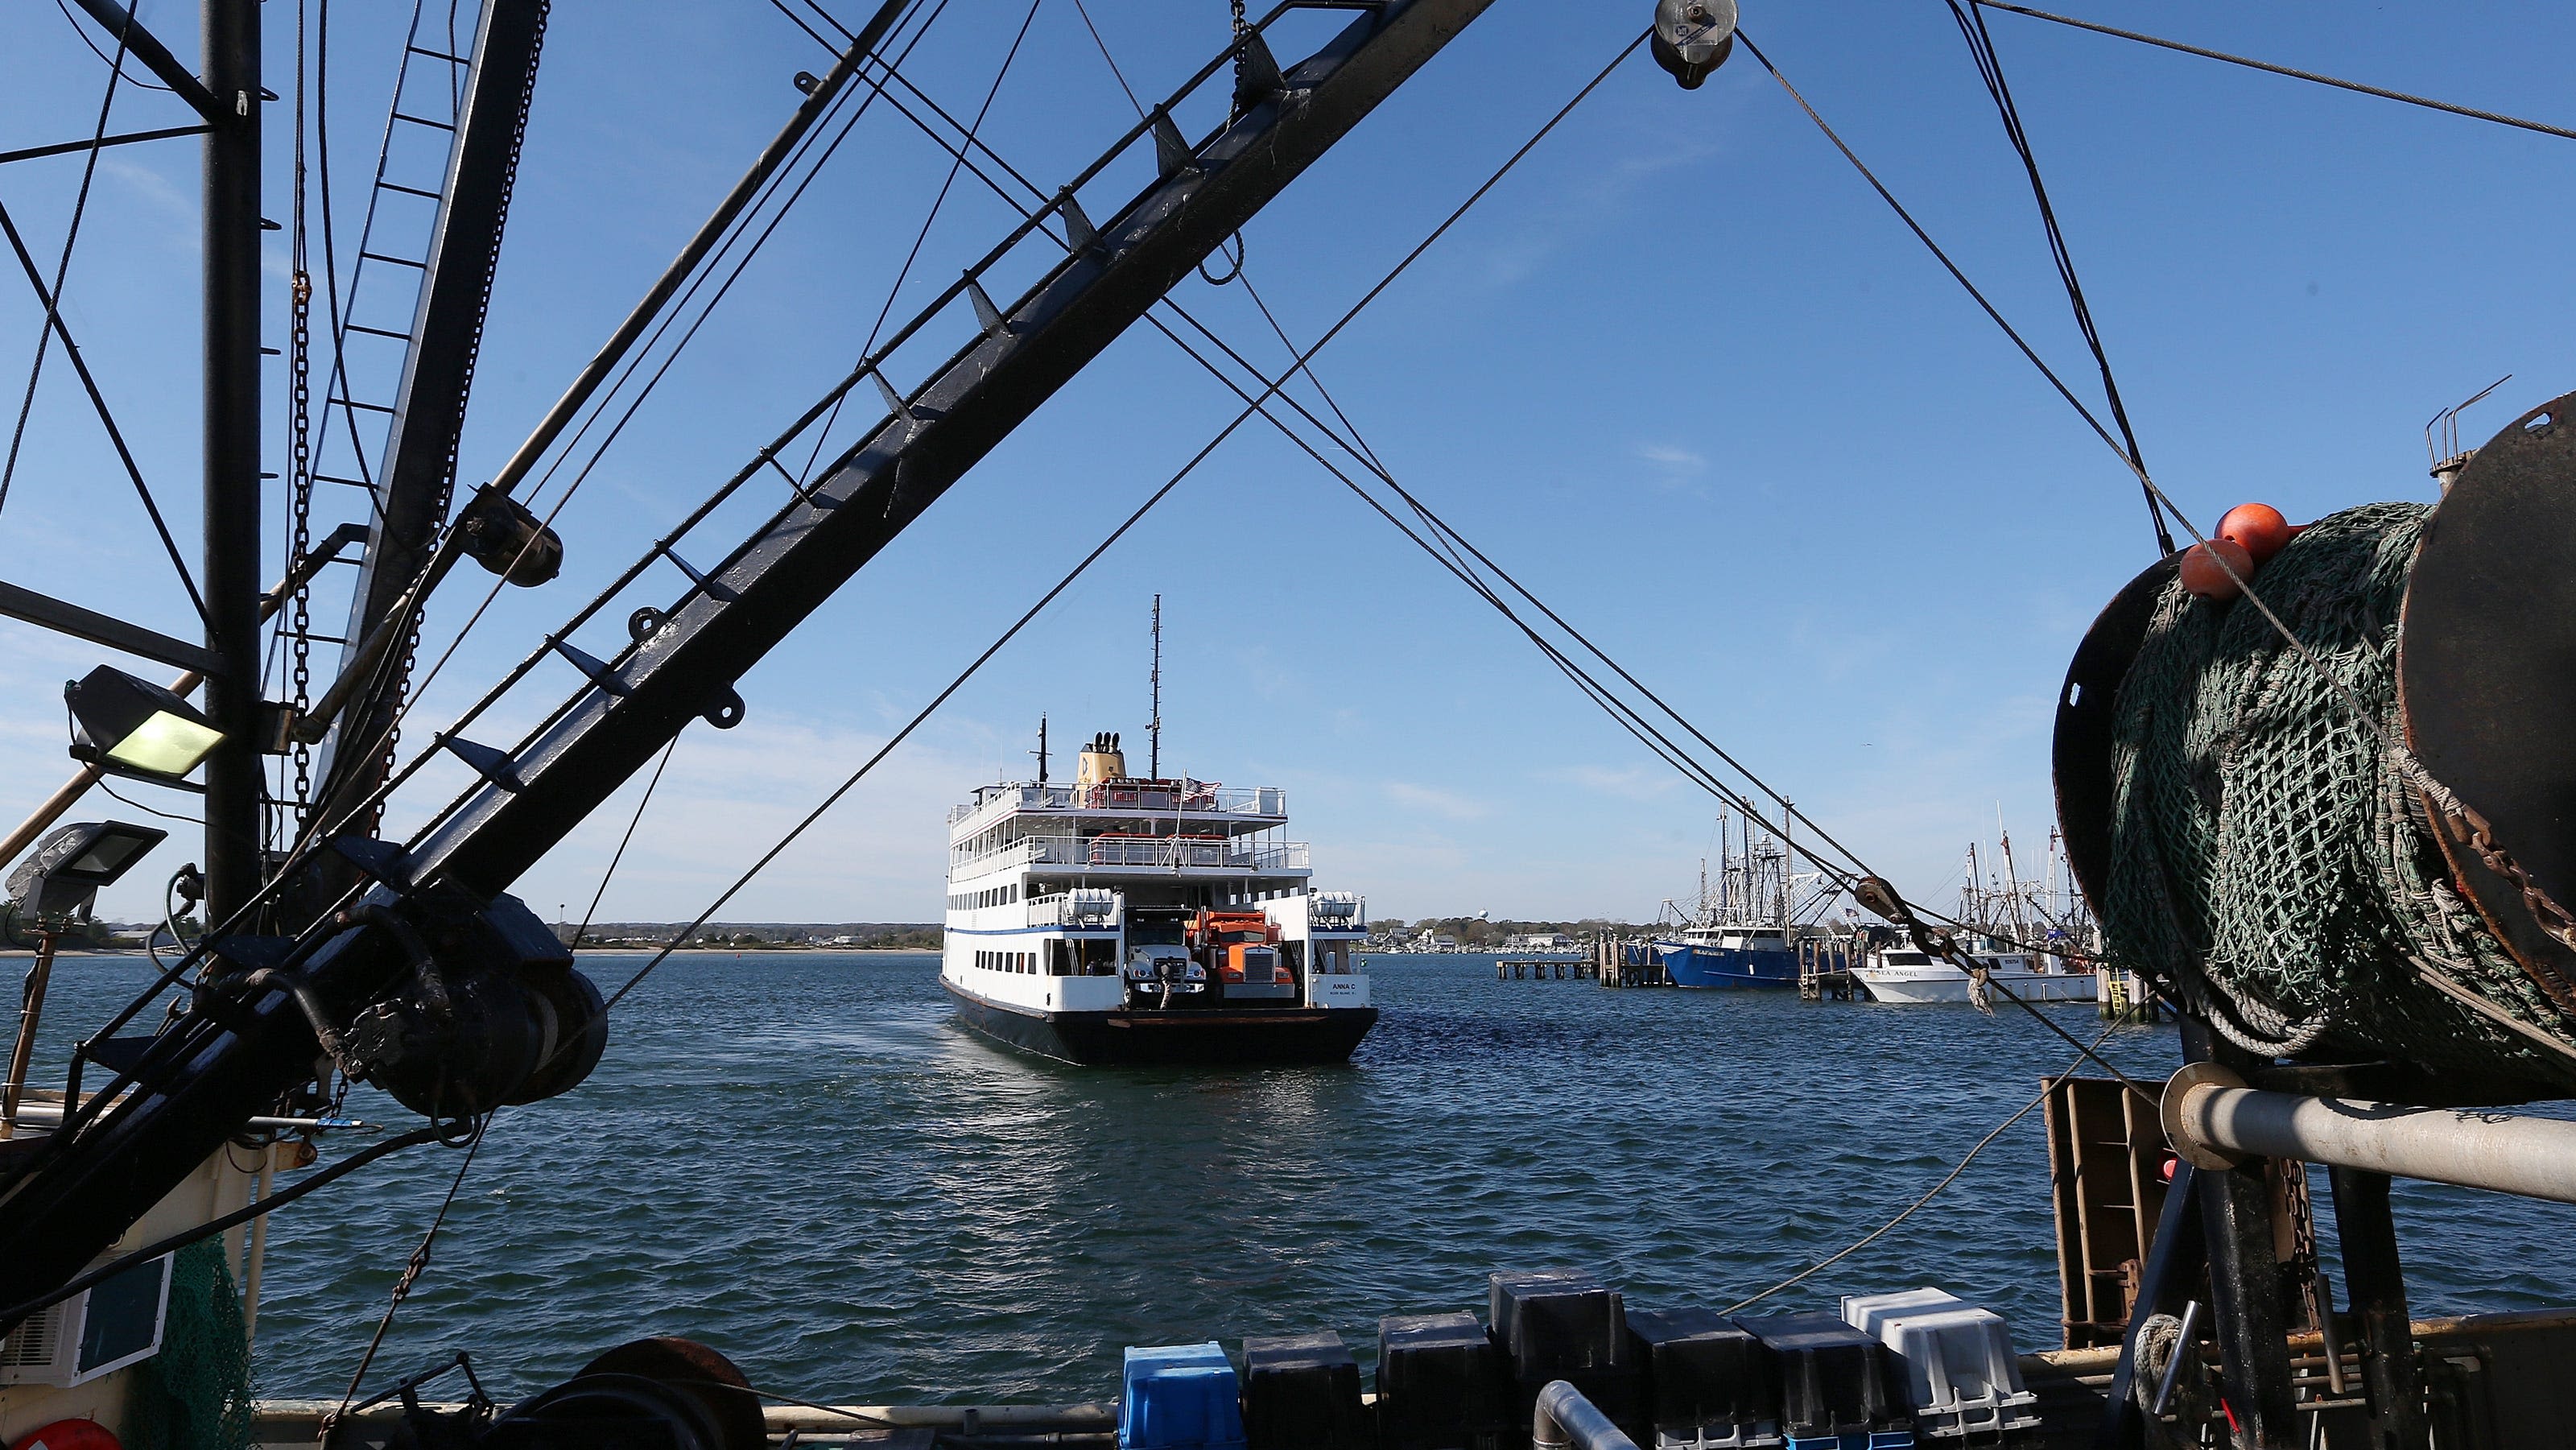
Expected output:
(2267, 858)
(195, 1394)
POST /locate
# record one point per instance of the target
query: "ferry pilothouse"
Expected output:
(1125, 920)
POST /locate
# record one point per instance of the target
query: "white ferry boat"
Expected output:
(1906, 974)
(1130, 920)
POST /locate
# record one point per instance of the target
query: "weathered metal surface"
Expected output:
(2087, 707)
(2486, 672)
(2366, 1238)
(2534, 1157)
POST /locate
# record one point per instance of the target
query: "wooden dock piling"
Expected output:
(1825, 969)
(2127, 998)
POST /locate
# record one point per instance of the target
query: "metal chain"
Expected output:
(299, 629)
(390, 758)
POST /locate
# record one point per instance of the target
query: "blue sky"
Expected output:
(1681, 372)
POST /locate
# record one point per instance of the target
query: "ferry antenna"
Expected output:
(1154, 724)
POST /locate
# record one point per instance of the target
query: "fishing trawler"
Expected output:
(1128, 919)
(1907, 975)
(1745, 929)
(2035, 938)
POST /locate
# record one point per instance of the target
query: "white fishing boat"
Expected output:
(1907, 975)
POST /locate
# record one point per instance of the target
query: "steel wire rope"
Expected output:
(751, 216)
(2249, 63)
(2411, 768)
(1085, 12)
(957, 159)
(632, 822)
(1928, 1194)
(118, 64)
(1990, 69)
(412, 1270)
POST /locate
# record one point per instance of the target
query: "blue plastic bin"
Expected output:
(1180, 1397)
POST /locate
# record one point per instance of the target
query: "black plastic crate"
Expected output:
(1709, 1380)
(1834, 1380)
(1302, 1392)
(1564, 1324)
(1555, 1323)
(1441, 1386)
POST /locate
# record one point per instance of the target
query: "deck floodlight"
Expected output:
(138, 724)
(68, 867)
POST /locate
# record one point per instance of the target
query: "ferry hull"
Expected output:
(1692, 965)
(1912, 987)
(1122, 1039)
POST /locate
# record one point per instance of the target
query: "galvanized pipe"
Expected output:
(2212, 1118)
(1565, 1420)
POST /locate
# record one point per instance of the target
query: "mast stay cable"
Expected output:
(1990, 69)
(2427, 102)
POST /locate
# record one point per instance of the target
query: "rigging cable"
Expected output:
(2556, 918)
(957, 160)
(1979, 297)
(118, 64)
(632, 822)
(1928, 1195)
(412, 1270)
(1990, 69)
(2249, 63)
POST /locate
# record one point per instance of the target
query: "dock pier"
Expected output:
(1510, 968)
(1619, 962)
(1825, 970)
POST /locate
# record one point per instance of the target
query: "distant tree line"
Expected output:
(1472, 931)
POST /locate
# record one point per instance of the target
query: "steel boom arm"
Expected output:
(228, 1058)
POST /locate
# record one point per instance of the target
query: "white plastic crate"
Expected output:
(1961, 1367)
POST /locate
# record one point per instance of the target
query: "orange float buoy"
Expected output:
(2257, 526)
(2202, 575)
(67, 1435)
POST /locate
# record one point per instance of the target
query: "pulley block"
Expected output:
(483, 1007)
(1692, 38)
(504, 537)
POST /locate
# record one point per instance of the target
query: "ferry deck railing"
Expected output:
(1168, 852)
(1267, 802)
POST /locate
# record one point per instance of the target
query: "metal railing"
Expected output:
(1167, 852)
(1193, 798)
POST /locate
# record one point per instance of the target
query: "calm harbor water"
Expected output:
(802, 1160)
